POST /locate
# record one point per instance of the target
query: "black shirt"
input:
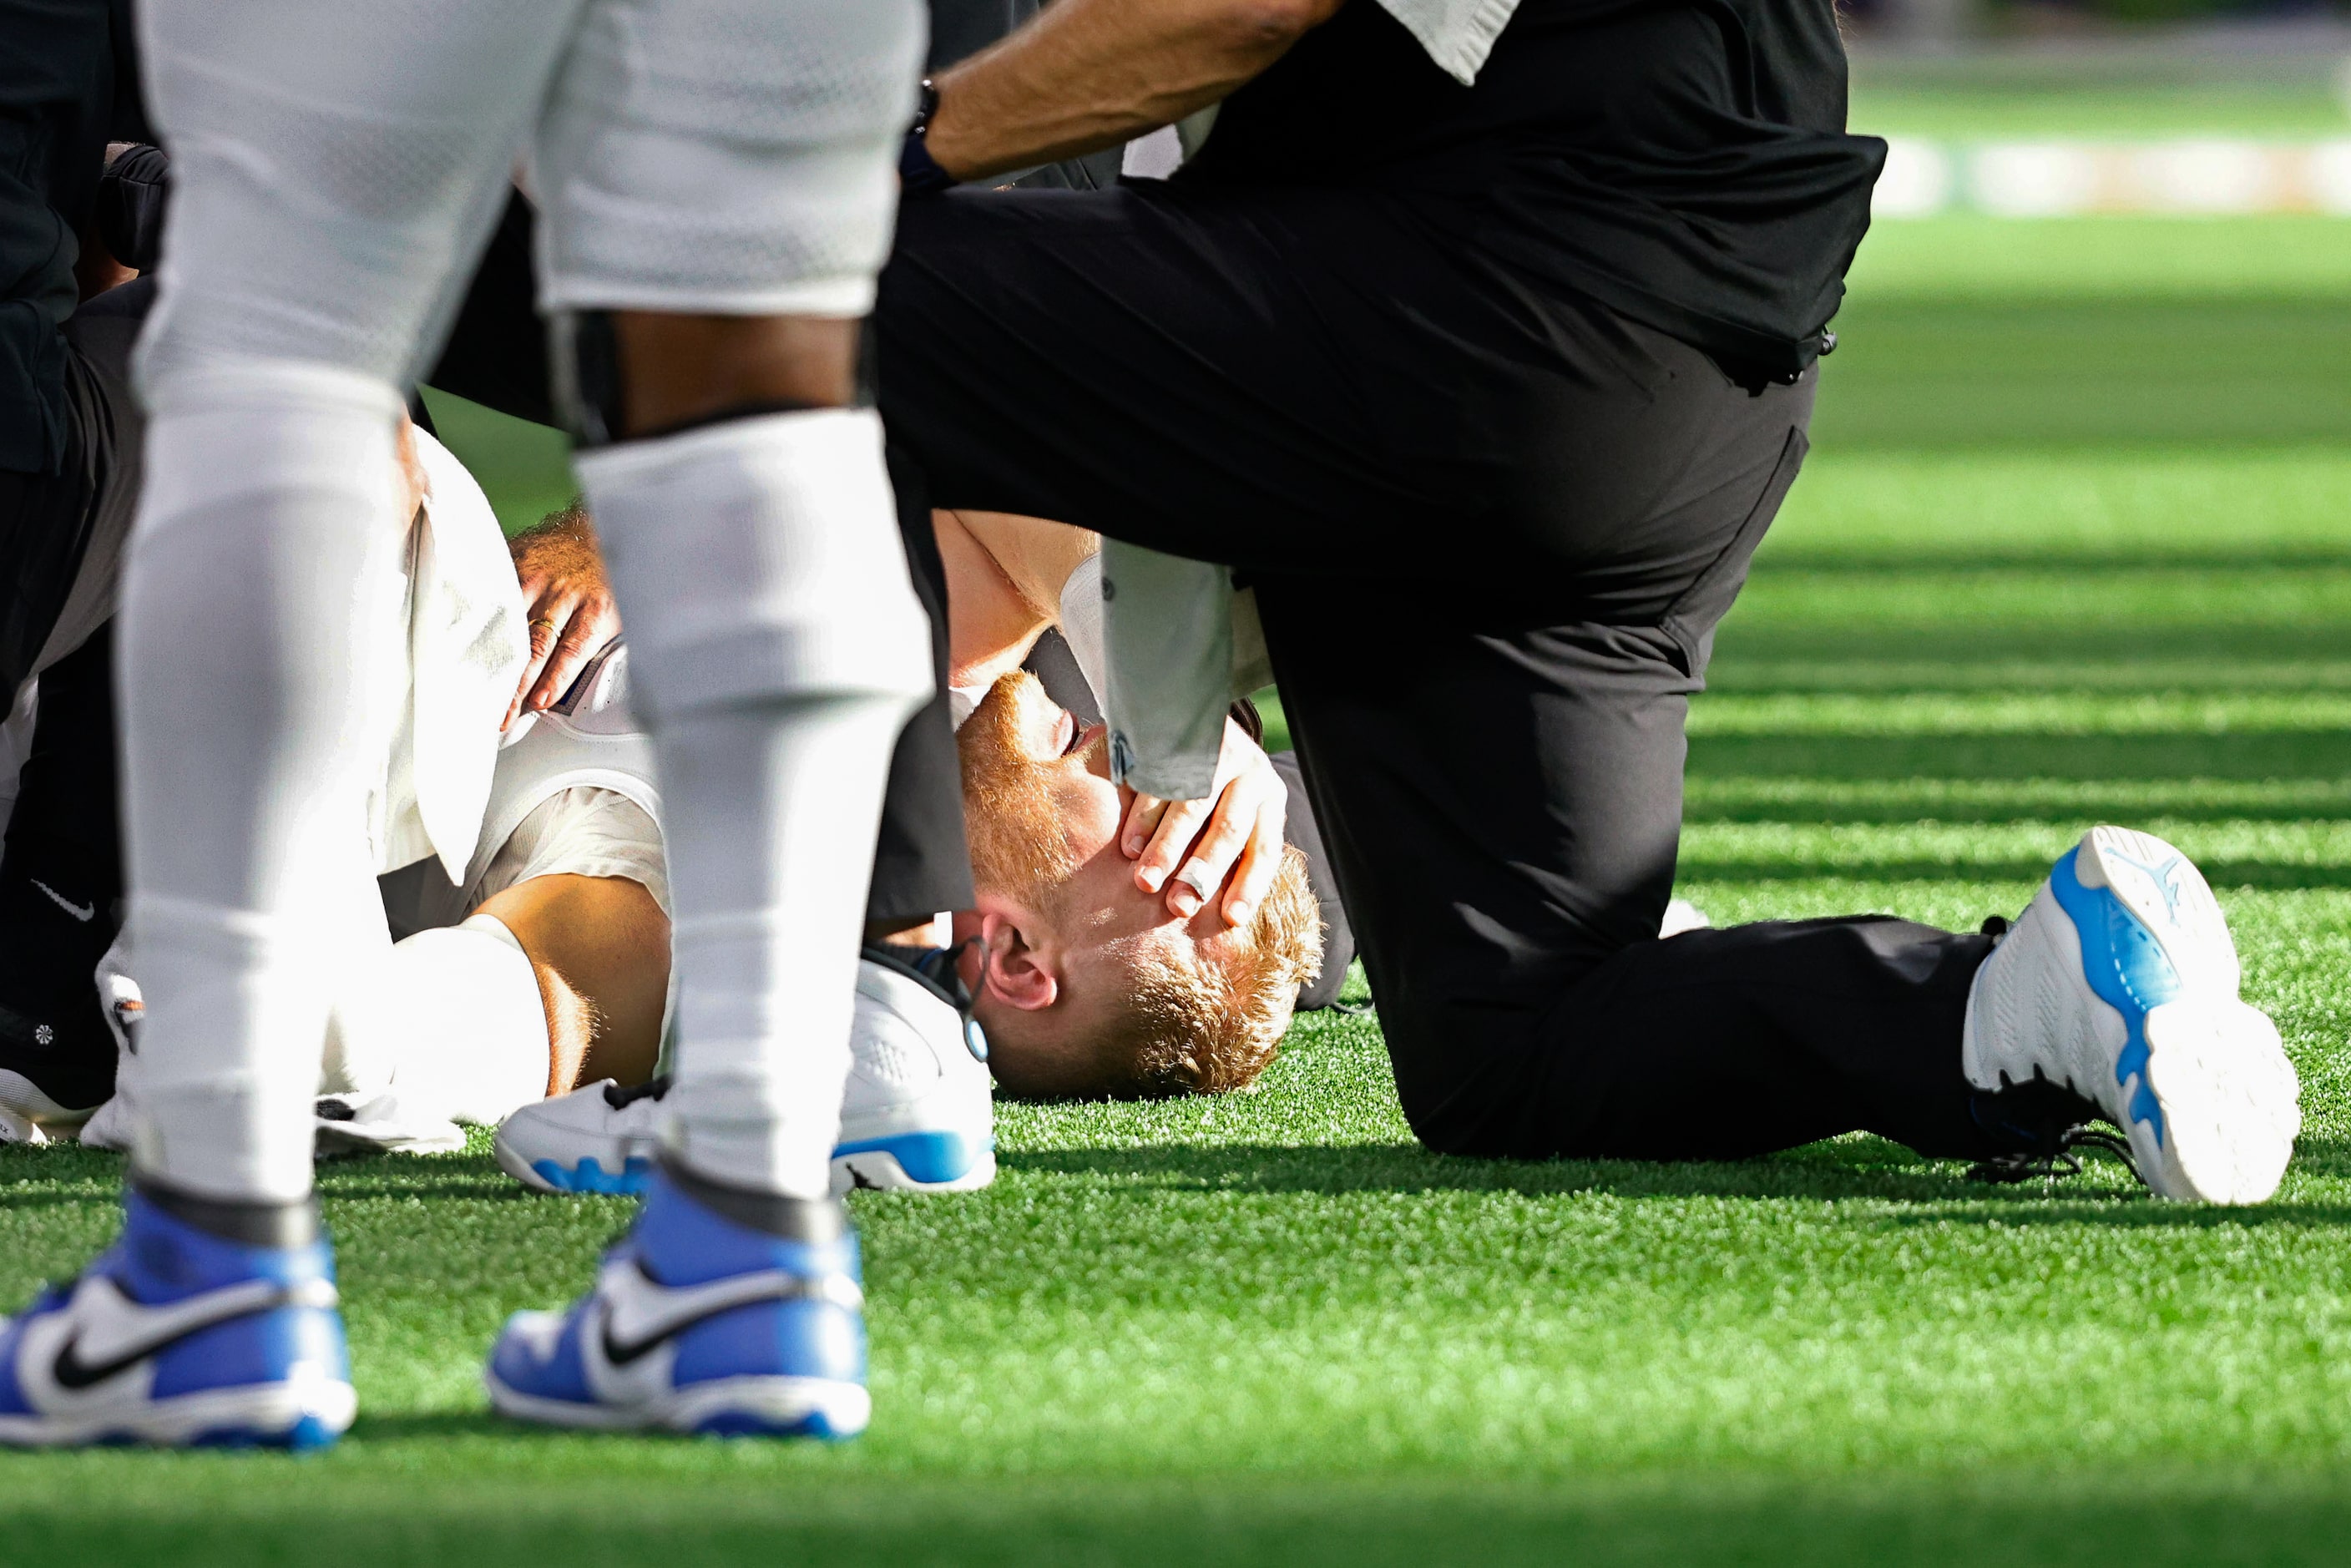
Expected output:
(66, 89)
(1684, 163)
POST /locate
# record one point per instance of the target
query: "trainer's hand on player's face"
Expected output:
(1236, 833)
(572, 616)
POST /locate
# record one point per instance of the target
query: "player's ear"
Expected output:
(1012, 969)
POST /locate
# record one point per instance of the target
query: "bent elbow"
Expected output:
(1271, 27)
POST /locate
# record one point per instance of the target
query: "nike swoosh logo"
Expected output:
(84, 913)
(136, 1332)
(641, 1313)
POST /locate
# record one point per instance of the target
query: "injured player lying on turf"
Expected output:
(517, 945)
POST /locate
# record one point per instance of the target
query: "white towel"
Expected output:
(1458, 34)
(467, 643)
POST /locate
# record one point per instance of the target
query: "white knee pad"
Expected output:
(241, 422)
(759, 561)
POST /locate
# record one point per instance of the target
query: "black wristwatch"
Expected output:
(918, 171)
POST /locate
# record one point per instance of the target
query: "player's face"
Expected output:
(1038, 798)
(1043, 819)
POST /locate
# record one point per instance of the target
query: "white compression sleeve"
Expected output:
(262, 653)
(456, 1012)
(779, 650)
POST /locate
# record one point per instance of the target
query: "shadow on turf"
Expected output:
(409, 1425)
(693, 1517)
(2180, 798)
(2087, 563)
(46, 1176)
(2238, 755)
(2268, 876)
(1867, 1169)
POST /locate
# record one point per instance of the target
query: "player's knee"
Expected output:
(758, 557)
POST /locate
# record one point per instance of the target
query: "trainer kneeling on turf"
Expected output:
(1481, 339)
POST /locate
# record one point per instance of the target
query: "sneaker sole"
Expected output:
(819, 1407)
(23, 1101)
(2227, 1098)
(913, 1162)
(908, 1162)
(297, 1417)
(2230, 1103)
(586, 1176)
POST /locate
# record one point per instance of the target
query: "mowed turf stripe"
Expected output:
(2021, 713)
(2304, 853)
(2149, 503)
(1974, 260)
(1801, 798)
(1750, 677)
(2152, 604)
(1941, 373)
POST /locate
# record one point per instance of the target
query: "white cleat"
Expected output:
(2119, 982)
(918, 1113)
(599, 1137)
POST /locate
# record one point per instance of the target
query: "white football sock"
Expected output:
(262, 652)
(778, 650)
(456, 1020)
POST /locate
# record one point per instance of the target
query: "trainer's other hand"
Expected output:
(1191, 848)
(572, 616)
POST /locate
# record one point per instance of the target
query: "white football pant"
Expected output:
(336, 166)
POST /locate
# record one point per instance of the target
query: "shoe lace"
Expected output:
(620, 1098)
(2055, 1160)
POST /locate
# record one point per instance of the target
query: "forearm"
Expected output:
(1091, 74)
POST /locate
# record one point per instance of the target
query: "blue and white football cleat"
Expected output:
(742, 1323)
(2119, 982)
(179, 1337)
(918, 1114)
(599, 1138)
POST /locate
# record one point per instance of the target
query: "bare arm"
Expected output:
(1089, 73)
(599, 946)
(1005, 577)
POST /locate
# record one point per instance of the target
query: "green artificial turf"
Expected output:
(2039, 574)
(1975, 105)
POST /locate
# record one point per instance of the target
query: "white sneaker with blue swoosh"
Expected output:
(2120, 982)
(741, 1323)
(180, 1338)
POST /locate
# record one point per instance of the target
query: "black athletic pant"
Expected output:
(1491, 533)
